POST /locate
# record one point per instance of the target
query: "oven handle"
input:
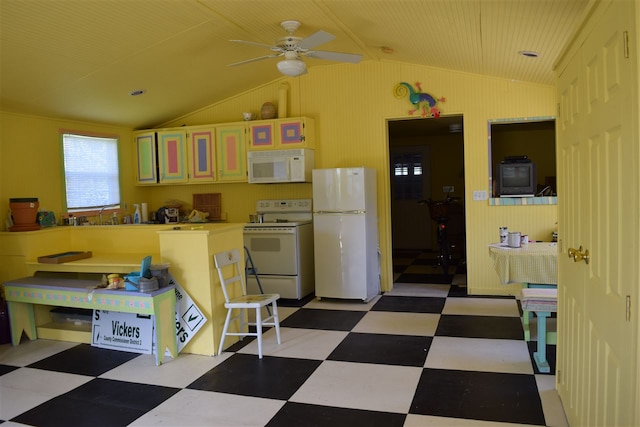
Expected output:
(269, 230)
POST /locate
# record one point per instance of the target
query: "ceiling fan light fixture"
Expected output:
(292, 67)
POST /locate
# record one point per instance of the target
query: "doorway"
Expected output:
(426, 162)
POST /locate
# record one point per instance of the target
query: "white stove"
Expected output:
(281, 247)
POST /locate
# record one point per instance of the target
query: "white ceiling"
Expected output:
(80, 59)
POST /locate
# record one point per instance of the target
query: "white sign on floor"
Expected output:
(134, 333)
(122, 331)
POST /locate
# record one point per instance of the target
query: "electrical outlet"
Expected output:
(448, 189)
(480, 195)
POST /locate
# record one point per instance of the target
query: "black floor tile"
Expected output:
(84, 359)
(457, 291)
(286, 302)
(401, 350)
(493, 327)
(100, 402)
(301, 414)
(409, 304)
(335, 320)
(5, 369)
(247, 375)
(474, 395)
(425, 278)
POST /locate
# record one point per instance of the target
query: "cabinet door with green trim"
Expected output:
(172, 156)
(146, 170)
(231, 153)
(202, 156)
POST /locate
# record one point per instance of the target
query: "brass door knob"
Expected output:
(578, 255)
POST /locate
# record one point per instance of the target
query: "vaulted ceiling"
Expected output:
(80, 59)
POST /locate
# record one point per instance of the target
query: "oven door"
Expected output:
(273, 249)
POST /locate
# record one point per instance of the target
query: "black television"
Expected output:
(516, 179)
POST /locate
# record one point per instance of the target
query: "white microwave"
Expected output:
(280, 166)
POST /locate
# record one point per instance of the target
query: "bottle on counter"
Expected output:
(136, 215)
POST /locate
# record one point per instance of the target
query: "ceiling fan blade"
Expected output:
(275, 48)
(275, 55)
(334, 56)
(316, 39)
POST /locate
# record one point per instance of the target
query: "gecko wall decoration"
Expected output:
(418, 97)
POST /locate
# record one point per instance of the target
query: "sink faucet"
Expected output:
(100, 214)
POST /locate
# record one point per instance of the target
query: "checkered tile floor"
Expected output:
(421, 355)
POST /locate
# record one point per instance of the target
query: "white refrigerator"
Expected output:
(345, 233)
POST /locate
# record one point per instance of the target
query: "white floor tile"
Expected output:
(419, 290)
(26, 388)
(479, 354)
(551, 404)
(205, 408)
(385, 322)
(482, 307)
(414, 420)
(179, 372)
(337, 304)
(28, 352)
(360, 386)
(297, 343)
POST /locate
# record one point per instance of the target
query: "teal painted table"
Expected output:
(22, 294)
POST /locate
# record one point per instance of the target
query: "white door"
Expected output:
(598, 212)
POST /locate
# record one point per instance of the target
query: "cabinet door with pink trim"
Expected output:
(231, 152)
(202, 154)
(262, 135)
(172, 156)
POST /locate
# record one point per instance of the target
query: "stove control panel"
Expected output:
(285, 205)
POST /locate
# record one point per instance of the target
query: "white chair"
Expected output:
(229, 262)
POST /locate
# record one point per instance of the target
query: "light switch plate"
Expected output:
(480, 195)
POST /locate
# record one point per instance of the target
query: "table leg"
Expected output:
(540, 356)
(21, 319)
(165, 327)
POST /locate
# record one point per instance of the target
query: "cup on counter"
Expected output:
(513, 239)
(524, 239)
(504, 231)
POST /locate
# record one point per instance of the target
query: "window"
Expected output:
(91, 175)
(407, 176)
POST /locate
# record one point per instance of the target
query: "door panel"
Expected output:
(598, 210)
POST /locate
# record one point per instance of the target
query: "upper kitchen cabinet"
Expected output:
(201, 151)
(231, 152)
(146, 155)
(281, 134)
(172, 156)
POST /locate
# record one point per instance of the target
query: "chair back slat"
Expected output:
(225, 259)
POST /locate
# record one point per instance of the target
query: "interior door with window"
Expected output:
(410, 182)
(598, 212)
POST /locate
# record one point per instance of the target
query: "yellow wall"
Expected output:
(351, 104)
(31, 162)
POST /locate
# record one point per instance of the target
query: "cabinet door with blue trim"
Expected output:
(202, 155)
(295, 133)
(172, 155)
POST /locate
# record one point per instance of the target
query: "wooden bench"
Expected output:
(22, 294)
(543, 302)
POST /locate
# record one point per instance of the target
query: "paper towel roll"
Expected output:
(145, 213)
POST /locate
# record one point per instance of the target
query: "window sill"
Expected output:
(523, 201)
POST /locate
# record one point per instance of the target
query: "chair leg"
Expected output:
(259, 330)
(276, 321)
(224, 331)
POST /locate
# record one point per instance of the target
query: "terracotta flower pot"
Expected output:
(24, 211)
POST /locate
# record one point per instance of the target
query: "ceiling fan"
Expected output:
(292, 48)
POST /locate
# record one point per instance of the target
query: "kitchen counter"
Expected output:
(188, 248)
